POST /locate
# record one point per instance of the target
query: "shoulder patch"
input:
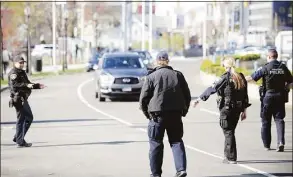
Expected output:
(13, 76)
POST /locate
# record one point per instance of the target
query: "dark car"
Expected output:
(119, 75)
(146, 57)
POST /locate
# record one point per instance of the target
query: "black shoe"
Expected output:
(280, 148)
(181, 174)
(155, 176)
(14, 140)
(25, 144)
(229, 161)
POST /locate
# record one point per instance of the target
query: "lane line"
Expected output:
(82, 99)
(208, 111)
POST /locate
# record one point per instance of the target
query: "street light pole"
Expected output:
(54, 36)
(95, 27)
(29, 66)
(65, 58)
(204, 41)
(150, 26)
(143, 25)
(1, 50)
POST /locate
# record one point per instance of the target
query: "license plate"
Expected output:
(127, 89)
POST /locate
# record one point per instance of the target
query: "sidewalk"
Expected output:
(46, 69)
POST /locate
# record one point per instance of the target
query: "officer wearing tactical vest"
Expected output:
(232, 102)
(164, 99)
(273, 95)
(20, 89)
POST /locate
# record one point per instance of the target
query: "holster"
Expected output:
(262, 92)
(227, 103)
(16, 101)
(220, 102)
(286, 95)
(154, 116)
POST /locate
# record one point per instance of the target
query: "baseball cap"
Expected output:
(162, 55)
(19, 58)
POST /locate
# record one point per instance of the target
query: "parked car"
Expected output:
(119, 75)
(146, 57)
(94, 60)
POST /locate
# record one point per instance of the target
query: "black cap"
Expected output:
(162, 55)
(18, 58)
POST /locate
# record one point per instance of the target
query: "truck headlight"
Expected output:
(106, 78)
(142, 78)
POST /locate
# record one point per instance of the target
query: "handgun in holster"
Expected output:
(227, 103)
(262, 92)
(220, 102)
(154, 116)
(286, 94)
(16, 100)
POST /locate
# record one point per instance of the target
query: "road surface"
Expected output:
(74, 135)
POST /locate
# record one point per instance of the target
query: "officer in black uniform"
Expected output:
(164, 99)
(232, 102)
(20, 89)
(273, 94)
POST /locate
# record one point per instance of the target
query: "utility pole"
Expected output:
(150, 26)
(124, 26)
(1, 50)
(204, 41)
(143, 25)
(54, 35)
(226, 28)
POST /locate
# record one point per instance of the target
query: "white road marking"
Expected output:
(82, 99)
(211, 112)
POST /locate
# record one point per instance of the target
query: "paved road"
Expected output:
(74, 135)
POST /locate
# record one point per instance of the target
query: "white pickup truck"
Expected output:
(283, 43)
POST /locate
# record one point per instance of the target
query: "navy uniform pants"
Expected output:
(272, 105)
(24, 120)
(228, 122)
(172, 123)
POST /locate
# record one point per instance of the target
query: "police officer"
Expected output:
(232, 102)
(20, 90)
(164, 99)
(275, 76)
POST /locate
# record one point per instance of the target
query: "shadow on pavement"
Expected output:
(14, 144)
(91, 143)
(256, 175)
(57, 120)
(264, 161)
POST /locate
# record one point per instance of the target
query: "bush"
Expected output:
(209, 67)
(248, 57)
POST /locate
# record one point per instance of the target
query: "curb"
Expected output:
(208, 79)
(3, 88)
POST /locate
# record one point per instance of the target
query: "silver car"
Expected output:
(119, 75)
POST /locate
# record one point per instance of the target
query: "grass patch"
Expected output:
(4, 82)
(50, 74)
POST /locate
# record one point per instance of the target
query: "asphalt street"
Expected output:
(74, 135)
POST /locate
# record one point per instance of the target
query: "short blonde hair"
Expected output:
(163, 62)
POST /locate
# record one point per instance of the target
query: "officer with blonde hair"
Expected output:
(232, 102)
